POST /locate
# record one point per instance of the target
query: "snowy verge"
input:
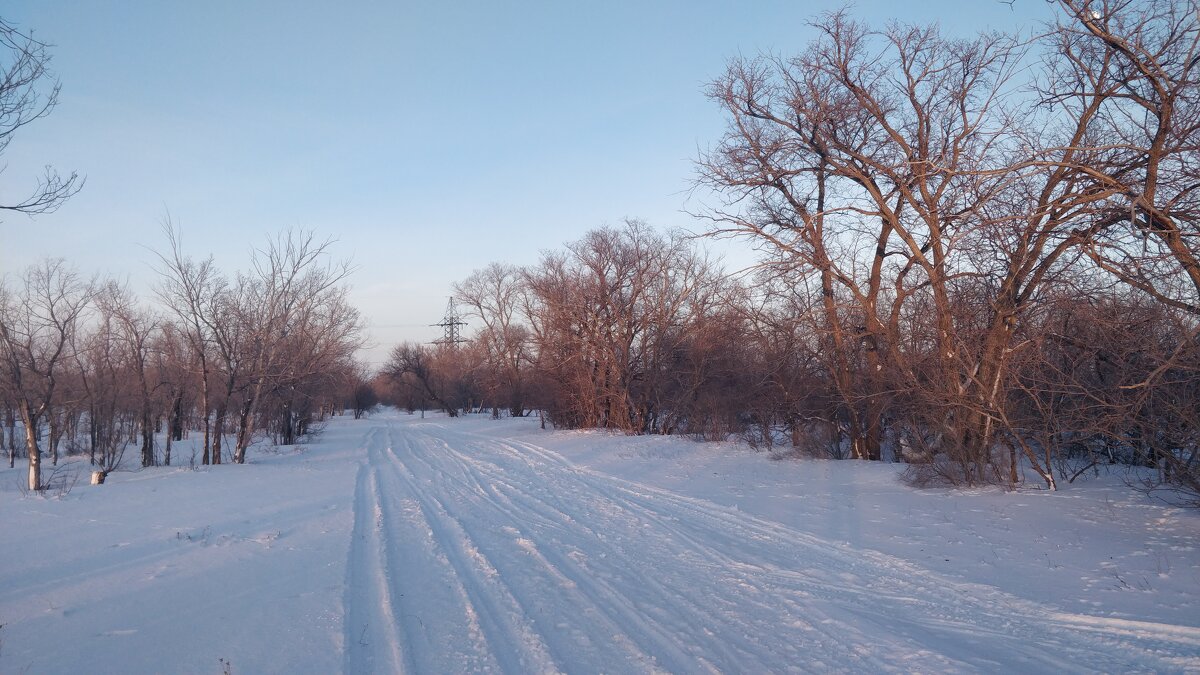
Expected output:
(172, 570)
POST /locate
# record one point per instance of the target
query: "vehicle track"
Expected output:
(372, 634)
(521, 562)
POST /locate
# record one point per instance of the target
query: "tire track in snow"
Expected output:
(637, 589)
(583, 620)
(498, 635)
(837, 591)
(1039, 637)
(638, 584)
(371, 633)
(909, 600)
(635, 581)
(405, 608)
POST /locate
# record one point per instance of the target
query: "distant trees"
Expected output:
(611, 319)
(633, 330)
(87, 366)
(363, 396)
(616, 331)
(424, 374)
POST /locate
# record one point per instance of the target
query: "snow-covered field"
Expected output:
(401, 544)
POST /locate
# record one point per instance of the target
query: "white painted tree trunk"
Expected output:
(35, 456)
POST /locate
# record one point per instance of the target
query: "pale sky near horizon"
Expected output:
(428, 139)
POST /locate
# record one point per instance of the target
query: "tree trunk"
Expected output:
(245, 429)
(167, 451)
(93, 433)
(288, 432)
(204, 407)
(11, 421)
(147, 420)
(147, 435)
(218, 434)
(71, 425)
(176, 424)
(31, 447)
(55, 423)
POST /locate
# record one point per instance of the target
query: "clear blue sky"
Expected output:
(428, 138)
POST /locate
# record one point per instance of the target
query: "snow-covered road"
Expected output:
(473, 553)
(395, 544)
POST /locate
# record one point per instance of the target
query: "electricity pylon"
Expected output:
(450, 323)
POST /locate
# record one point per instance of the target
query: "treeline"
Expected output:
(977, 256)
(87, 367)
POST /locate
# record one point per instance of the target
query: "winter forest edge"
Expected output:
(981, 269)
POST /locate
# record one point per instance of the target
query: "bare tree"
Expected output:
(411, 367)
(1138, 65)
(493, 295)
(226, 318)
(311, 368)
(24, 65)
(362, 392)
(108, 377)
(896, 174)
(173, 365)
(294, 290)
(136, 329)
(608, 317)
(37, 324)
(187, 289)
(281, 326)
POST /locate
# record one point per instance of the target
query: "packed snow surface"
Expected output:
(400, 544)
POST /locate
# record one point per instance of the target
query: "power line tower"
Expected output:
(450, 323)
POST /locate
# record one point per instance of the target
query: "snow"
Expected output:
(396, 544)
